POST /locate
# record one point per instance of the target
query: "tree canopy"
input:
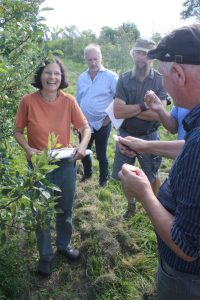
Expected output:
(21, 47)
(191, 8)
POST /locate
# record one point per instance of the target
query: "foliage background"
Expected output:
(118, 258)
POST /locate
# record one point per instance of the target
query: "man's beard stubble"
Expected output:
(140, 72)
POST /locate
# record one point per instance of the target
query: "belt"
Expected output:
(141, 133)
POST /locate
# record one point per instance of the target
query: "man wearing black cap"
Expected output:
(175, 213)
(139, 120)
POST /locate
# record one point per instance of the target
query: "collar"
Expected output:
(101, 69)
(192, 119)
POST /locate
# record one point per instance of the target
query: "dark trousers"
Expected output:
(65, 178)
(175, 285)
(101, 141)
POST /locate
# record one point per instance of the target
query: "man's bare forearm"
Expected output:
(168, 149)
(148, 115)
(168, 121)
(124, 111)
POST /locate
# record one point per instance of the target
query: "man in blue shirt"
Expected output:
(95, 91)
(175, 212)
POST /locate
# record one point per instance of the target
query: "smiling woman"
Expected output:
(47, 111)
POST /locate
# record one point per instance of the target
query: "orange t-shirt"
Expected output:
(42, 118)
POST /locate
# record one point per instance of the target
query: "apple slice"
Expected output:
(132, 168)
(116, 137)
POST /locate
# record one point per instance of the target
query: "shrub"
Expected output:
(13, 273)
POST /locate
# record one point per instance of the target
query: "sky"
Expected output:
(149, 16)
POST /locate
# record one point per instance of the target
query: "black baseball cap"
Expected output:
(182, 46)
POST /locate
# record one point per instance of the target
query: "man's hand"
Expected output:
(129, 145)
(135, 184)
(153, 102)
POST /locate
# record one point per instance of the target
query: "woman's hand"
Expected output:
(19, 136)
(79, 153)
(30, 152)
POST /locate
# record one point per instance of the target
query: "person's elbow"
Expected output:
(117, 114)
(85, 130)
(17, 131)
(117, 111)
(119, 108)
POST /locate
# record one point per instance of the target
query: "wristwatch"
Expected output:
(143, 106)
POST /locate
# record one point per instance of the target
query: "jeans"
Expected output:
(100, 137)
(65, 178)
(175, 285)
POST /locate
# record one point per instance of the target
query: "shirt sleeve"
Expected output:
(185, 231)
(174, 112)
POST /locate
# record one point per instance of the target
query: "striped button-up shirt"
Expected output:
(180, 195)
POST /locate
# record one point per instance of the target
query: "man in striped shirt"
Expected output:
(175, 212)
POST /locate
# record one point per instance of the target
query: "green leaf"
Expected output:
(3, 71)
(3, 238)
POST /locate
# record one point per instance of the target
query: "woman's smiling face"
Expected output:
(51, 77)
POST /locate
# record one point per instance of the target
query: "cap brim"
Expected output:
(140, 49)
(154, 54)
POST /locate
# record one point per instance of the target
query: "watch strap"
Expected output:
(143, 107)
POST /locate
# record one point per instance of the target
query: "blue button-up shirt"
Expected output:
(94, 96)
(180, 195)
(179, 114)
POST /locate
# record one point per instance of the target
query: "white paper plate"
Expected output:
(64, 153)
